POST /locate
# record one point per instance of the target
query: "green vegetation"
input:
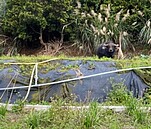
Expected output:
(133, 62)
(85, 23)
(118, 96)
(18, 107)
(25, 69)
(3, 111)
(94, 117)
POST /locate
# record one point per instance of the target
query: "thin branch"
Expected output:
(1, 35)
(63, 30)
(41, 40)
(34, 30)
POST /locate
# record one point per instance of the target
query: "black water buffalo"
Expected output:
(107, 49)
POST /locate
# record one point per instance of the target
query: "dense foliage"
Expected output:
(85, 22)
(104, 20)
(24, 19)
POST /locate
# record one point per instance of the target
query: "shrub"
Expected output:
(95, 28)
(24, 19)
(88, 23)
(99, 24)
(119, 94)
(145, 33)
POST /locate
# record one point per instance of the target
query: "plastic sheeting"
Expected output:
(83, 90)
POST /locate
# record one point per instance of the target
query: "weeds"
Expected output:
(3, 111)
(118, 95)
(92, 115)
(145, 33)
(33, 120)
(133, 109)
(18, 107)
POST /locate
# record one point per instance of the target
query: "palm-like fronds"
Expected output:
(145, 33)
(101, 27)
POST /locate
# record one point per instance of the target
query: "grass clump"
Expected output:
(118, 95)
(92, 115)
(3, 111)
(121, 96)
(18, 107)
(33, 119)
(134, 109)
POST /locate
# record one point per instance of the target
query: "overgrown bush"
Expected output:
(145, 33)
(100, 27)
(99, 24)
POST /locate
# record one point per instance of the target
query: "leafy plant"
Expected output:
(3, 111)
(119, 94)
(145, 33)
(33, 120)
(18, 107)
(133, 109)
(98, 27)
(92, 115)
(24, 20)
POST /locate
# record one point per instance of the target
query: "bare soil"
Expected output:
(72, 50)
(67, 49)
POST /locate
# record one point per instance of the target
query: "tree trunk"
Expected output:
(41, 40)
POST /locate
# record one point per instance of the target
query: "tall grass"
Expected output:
(94, 117)
(121, 96)
(145, 33)
(33, 120)
(3, 111)
(96, 28)
(133, 109)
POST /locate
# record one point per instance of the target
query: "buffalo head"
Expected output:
(107, 49)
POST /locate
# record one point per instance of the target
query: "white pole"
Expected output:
(36, 73)
(78, 78)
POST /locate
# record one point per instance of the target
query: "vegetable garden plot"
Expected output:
(82, 81)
